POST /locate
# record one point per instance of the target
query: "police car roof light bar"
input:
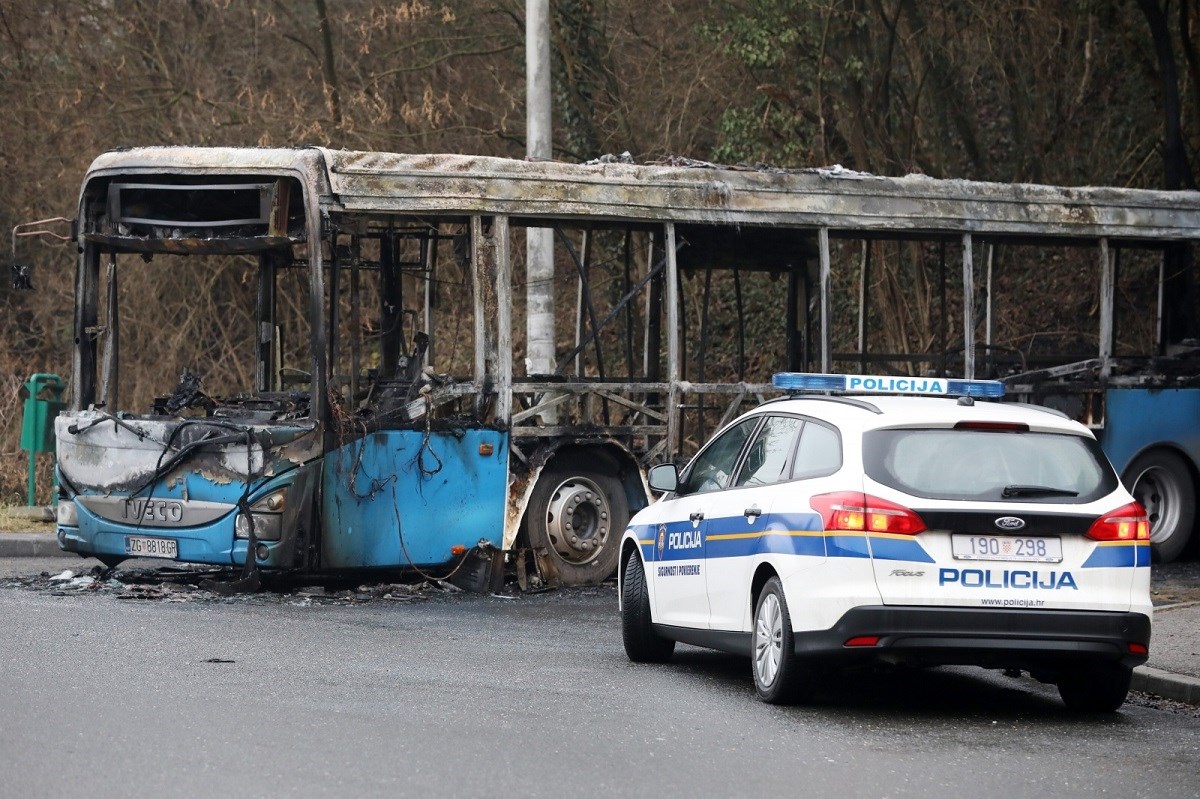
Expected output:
(887, 384)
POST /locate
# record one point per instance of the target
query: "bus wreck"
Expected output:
(383, 419)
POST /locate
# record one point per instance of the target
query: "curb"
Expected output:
(31, 545)
(1168, 685)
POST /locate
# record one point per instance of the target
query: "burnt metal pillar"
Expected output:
(479, 296)
(1107, 281)
(671, 277)
(826, 354)
(266, 367)
(111, 365)
(987, 327)
(968, 308)
(864, 284)
(87, 279)
(391, 287)
(503, 288)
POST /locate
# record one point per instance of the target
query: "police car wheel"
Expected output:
(780, 677)
(642, 644)
(577, 515)
(1097, 688)
(1162, 483)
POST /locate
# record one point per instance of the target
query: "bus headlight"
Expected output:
(268, 517)
(67, 515)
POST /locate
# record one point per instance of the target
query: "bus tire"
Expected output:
(1162, 483)
(578, 515)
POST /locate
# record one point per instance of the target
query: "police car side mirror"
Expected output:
(664, 477)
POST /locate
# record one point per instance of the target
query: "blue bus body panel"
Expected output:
(211, 543)
(394, 498)
(1136, 418)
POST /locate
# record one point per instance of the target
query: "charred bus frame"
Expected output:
(379, 460)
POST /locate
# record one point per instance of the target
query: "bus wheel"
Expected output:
(1162, 483)
(578, 516)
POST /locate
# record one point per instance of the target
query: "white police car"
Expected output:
(828, 530)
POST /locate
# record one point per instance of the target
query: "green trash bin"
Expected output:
(43, 396)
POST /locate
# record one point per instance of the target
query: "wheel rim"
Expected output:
(578, 520)
(1159, 492)
(768, 640)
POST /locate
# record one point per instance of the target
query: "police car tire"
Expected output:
(642, 644)
(793, 681)
(604, 564)
(1097, 688)
(1171, 500)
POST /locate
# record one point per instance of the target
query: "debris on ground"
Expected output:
(206, 584)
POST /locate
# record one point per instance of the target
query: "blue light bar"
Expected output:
(887, 384)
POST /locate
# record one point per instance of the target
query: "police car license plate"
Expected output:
(1042, 549)
(141, 546)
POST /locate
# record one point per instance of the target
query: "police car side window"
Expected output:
(819, 453)
(767, 458)
(711, 469)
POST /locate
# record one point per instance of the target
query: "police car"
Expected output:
(861, 525)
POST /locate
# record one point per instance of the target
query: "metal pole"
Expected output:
(826, 355)
(479, 292)
(968, 308)
(539, 242)
(991, 254)
(111, 367)
(503, 319)
(1159, 338)
(671, 278)
(1106, 308)
(864, 283)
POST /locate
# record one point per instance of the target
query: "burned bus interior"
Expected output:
(399, 292)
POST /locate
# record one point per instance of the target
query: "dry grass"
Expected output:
(16, 519)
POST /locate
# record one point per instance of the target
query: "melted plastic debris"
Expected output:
(191, 584)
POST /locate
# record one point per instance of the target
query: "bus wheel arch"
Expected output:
(1164, 482)
(577, 508)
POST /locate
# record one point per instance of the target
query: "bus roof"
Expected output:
(686, 191)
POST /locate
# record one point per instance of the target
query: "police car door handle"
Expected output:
(753, 512)
(696, 516)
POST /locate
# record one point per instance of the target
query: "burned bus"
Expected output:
(313, 360)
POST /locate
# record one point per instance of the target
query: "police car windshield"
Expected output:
(989, 465)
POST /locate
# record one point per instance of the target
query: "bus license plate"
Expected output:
(141, 546)
(1046, 549)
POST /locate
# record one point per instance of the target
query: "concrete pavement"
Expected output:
(1173, 671)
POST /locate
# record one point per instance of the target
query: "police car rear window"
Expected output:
(1002, 466)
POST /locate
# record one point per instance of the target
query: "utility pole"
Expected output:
(539, 242)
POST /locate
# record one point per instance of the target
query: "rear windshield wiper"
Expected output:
(1036, 491)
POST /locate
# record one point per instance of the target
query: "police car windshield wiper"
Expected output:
(1036, 491)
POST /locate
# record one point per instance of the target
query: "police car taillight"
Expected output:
(853, 511)
(1127, 523)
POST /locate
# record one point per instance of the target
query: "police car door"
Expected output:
(680, 597)
(742, 522)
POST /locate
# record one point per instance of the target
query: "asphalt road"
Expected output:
(454, 695)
